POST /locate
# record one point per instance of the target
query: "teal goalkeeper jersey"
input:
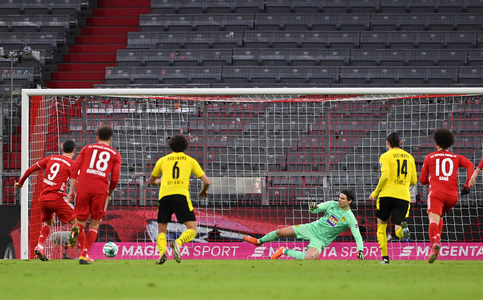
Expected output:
(334, 222)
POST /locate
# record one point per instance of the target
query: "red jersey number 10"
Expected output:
(445, 167)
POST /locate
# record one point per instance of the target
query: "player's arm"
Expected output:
(155, 177)
(469, 166)
(116, 174)
(384, 177)
(472, 181)
(414, 174)
(154, 180)
(206, 185)
(33, 168)
(424, 178)
(74, 174)
(359, 241)
(317, 208)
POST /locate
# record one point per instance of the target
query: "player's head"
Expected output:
(350, 195)
(178, 143)
(105, 133)
(443, 137)
(68, 146)
(393, 140)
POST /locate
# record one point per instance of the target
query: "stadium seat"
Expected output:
(475, 57)
(179, 40)
(175, 57)
(378, 57)
(196, 22)
(311, 21)
(470, 75)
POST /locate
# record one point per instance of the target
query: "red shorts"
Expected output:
(441, 203)
(91, 204)
(58, 205)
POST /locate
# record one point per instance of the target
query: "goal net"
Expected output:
(268, 153)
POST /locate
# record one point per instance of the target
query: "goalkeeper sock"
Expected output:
(294, 253)
(382, 238)
(90, 239)
(271, 236)
(433, 232)
(44, 233)
(161, 243)
(186, 237)
(399, 233)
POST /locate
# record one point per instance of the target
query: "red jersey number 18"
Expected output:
(102, 161)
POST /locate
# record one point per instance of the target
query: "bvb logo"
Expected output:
(343, 219)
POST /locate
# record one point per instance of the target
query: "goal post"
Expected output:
(268, 151)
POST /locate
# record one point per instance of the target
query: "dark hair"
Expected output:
(68, 146)
(350, 195)
(104, 133)
(178, 143)
(393, 139)
(443, 137)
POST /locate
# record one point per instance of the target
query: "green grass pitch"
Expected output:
(241, 279)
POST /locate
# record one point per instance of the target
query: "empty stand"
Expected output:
(196, 22)
(293, 57)
(180, 57)
(163, 75)
(301, 22)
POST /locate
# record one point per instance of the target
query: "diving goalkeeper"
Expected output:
(337, 218)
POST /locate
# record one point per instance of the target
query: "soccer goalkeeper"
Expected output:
(337, 218)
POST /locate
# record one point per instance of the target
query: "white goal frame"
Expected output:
(26, 93)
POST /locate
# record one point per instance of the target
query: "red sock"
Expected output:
(44, 233)
(90, 239)
(433, 232)
(440, 230)
(81, 238)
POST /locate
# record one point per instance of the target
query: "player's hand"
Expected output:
(71, 197)
(361, 256)
(203, 193)
(371, 198)
(313, 205)
(17, 185)
(465, 191)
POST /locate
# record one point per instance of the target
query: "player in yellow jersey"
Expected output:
(398, 172)
(174, 196)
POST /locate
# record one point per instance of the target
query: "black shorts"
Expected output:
(395, 208)
(177, 204)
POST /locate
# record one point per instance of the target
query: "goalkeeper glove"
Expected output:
(361, 256)
(465, 191)
(313, 205)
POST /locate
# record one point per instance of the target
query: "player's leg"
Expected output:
(161, 243)
(184, 213)
(271, 236)
(164, 216)
(81, 214)
(48, 222)
(98, 206)
(400, 214)
(305, 231)
(383, 212)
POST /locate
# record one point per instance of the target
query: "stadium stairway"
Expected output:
(95, 49)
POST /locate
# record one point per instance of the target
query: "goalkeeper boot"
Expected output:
(385, 261)
(278, 253)
(83, 261)
(39, 251)
(161, 260)
(405, 230)
(433, 255)
(176, 251)
(252, 240)
(73, 236)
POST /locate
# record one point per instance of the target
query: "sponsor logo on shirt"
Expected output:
(332, 221)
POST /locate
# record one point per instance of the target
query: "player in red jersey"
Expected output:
(440, 171)
(90, 176)
(53, 197)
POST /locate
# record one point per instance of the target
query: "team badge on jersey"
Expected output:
(332, 220)
(344, 219)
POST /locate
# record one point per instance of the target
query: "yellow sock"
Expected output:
(161, 243)
(186, 237)
(399, 232)
(382, 238)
